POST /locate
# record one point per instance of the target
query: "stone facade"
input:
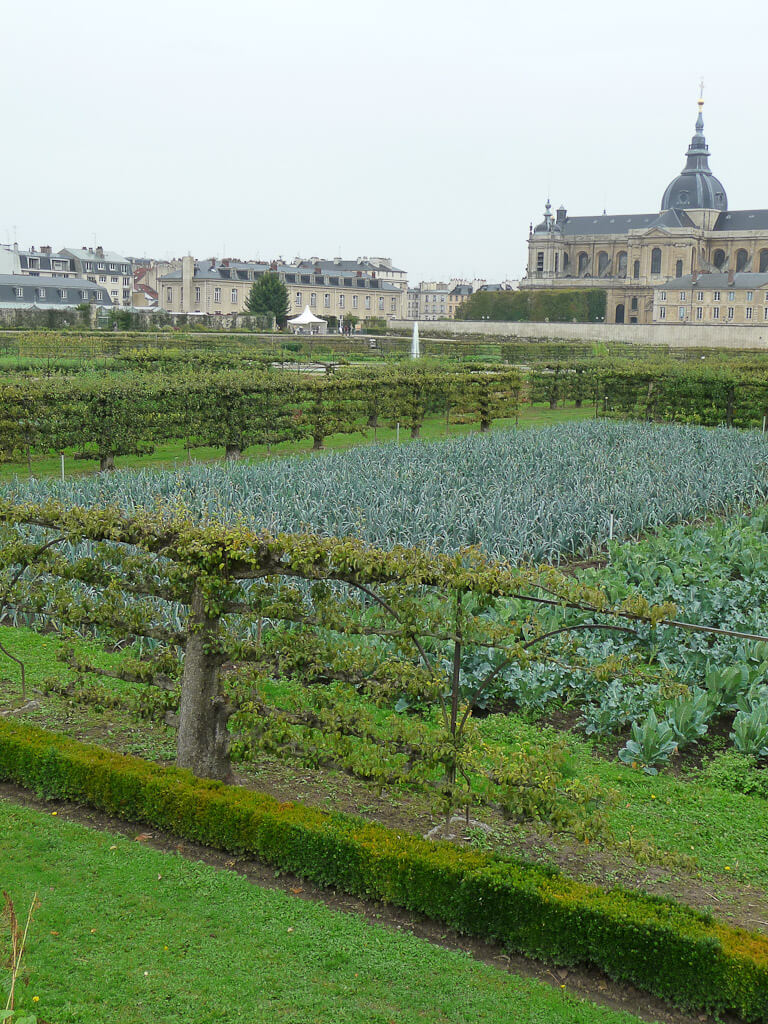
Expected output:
(713, 299)
(108, 269)
(337, 288)
(633, 256)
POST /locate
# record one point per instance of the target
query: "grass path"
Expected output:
(168, 456)
(127, 934)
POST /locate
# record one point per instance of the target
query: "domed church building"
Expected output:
(693, 235)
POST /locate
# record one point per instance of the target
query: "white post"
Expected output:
(610, 528)
(62, 467)
(398, 433)
(764, 418)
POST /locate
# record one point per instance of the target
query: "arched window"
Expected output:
(718, 258)
(656, 261)
(622, 264)
(602, 264)
(636, 269)
(764, 261)
(565, 262)
(620, 313)
(679, 268)
(583, 264)
(742, 256)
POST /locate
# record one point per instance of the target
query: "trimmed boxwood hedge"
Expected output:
(667, 948)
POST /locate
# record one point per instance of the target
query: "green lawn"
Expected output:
(127, 934)
(168, 456)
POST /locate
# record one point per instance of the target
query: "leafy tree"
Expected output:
(269, 295)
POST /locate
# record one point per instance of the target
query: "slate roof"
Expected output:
(229, 271)
(53, 287)
(743, 220)
(721, 281)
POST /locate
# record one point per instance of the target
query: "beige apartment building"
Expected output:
(719, 299)
(337, 288)
(111, 271)
(633, 256)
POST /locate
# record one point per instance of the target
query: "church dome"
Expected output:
(696, 187)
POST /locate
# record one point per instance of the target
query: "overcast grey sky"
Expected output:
(427, 131)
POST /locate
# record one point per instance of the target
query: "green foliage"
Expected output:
(738, 773)
(667, 948)
(559, 305)
(750, 731)
(688, 716)
(650, 746)
(269, 295)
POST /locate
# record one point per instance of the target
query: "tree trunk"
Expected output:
(729, 407)
(578, 402)
(416, 430)
(317, 441)
(232, 452)
(485, 426)
(202, 741)
(373, 420)
(553, 403)
(106, 462)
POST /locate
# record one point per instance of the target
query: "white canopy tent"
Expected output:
(308, 323)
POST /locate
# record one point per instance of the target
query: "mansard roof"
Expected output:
(742, 220)
(723, 281)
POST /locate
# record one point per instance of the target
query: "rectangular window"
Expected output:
(354, 301)
(716, 296)
(765, 313)
(327, 300)
(663, 296)
(197, 293)
(234, 295)
(731, 296)
(748, 312)
(298, 299)
(115, 280)
(111, 266)
(716, 313)
(681, 313)
(313, 298)
(700, 296)
(341, 301)
(393, 305)
(730, 312)
(662, 313)
(682, 296)
(217, 294)
(381, 302)
(102, 278)
(699, 312)
(749, 296)
(367, 301)
(64, 294)
(169, 294)
(539, 261)
(41, 292)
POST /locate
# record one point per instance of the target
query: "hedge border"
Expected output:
(671, 950)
